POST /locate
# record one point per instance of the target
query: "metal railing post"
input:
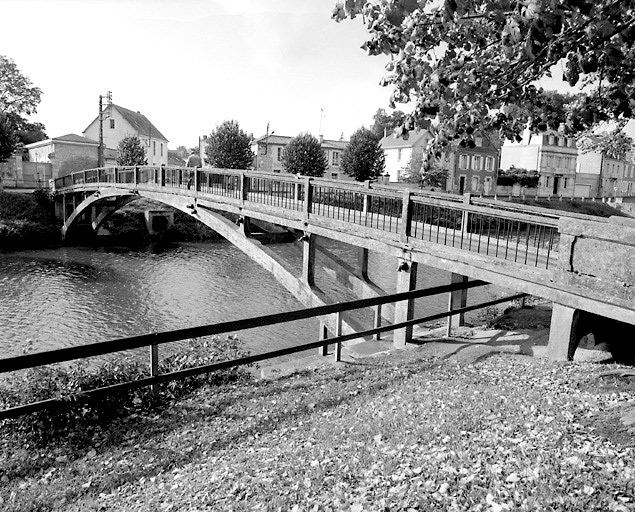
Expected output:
(377, 321)
(405, 215)
(338, 333)
(323, 350)
(154, 366)
(308, 196)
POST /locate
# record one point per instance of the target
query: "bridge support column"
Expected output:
(404, 309)
(563, 332)
(308, 258)
(456, 300)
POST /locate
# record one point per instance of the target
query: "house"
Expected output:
(398, 151)
(473, 169)
(120, 122)
(552, 154)
(268, 151)
(67, 154)
(469, 169)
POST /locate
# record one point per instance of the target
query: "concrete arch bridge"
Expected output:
(585, 265)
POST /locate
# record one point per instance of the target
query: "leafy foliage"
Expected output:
(385, 124)
(130, 151)
(613, 144)
(66, 382)
(424, 172)
(363, 158)
(524, 178)
(229, 147)
(304, 155)
(8, 138)
(464, 63)
(17, 94)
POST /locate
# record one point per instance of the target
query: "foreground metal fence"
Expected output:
(153, 341)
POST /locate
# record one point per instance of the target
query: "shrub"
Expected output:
(78, 416)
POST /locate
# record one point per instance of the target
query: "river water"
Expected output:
(75, 295)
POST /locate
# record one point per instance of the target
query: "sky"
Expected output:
(189, 65)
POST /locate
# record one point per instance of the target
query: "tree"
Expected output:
(18, 97)
(7, 137)
(229, 147)
(463, 63)
(363, 158)
(385, 124)
(417, 172)
(130, 151)
(17, 94)
(304, 155)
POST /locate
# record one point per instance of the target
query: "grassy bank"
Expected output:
(403, 432)
(28, 221)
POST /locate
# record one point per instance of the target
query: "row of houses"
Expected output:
(562, 169)
(59, 156)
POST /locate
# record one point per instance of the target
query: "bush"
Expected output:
(78, 416)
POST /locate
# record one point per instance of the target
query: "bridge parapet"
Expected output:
(598, 257)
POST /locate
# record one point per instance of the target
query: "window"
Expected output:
(154, 147)
(561, 141)
(489, 163)
(334, 175)
(478, 141)
(558, 161)
(547, 180)
(279, 155)
(474, 183)
(162, 149)
(625, 171)
(112, 124)
(552, 140)
(570, 143)
(476, 162)
(564, 182)
(336, 158)
(463, 162)
(399, 155)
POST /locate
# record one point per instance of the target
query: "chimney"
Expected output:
(321, 139)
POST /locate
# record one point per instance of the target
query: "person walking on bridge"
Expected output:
(194, 160)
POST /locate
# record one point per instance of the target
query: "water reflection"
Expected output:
(73, 296)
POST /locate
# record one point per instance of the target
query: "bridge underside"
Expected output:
(571, 307)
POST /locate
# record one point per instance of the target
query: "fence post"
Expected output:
(135, 178)
(338, 332)
(456, 300)
(366, 198)
(244, 188)
(154, 366)
(404, 309)
(467, 200)
(405, 215)
(377, 320)
(308, 196)
(324, 335)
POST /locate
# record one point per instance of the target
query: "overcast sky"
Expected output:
(189, 65)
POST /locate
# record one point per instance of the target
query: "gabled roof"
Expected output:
(71, 137)
(415, 138)
(138, 121)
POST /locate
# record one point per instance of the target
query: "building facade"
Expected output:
(120, 122)
(552, 154)
(67, 154)
(469, 169)
(269, 150)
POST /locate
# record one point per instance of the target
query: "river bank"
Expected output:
(371, 434)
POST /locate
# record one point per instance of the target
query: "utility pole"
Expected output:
(100, 150)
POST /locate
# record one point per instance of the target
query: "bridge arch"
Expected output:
(307, 294)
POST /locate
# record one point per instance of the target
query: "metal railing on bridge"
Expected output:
(518, 233)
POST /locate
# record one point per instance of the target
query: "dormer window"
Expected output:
(112, 124)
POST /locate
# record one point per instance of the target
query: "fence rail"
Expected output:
(523, 234)
(155, 339)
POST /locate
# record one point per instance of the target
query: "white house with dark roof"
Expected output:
(398, 151)
(68, 153)
(120, 122)
(268, 151)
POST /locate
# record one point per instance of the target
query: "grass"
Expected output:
(597, 208)
(402, 432)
